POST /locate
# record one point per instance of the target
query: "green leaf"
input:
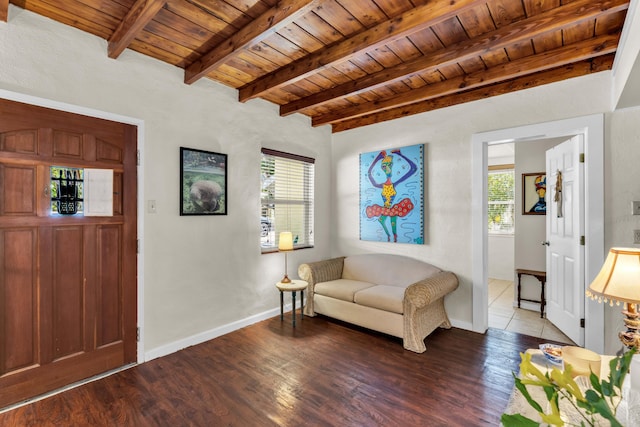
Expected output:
(607, 388)
(623, 363)
(517, 420)
(603, 409)
(525, 393)
(593, 397)
(587, 406)
(595, 382)
(551, 392)
(615, 371)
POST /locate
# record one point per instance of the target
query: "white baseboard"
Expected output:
(201, 337)
(461, 325)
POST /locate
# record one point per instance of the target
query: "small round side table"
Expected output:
(293, 287)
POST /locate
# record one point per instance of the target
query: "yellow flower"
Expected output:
(552, 419)
(528, 369)
(565, 380)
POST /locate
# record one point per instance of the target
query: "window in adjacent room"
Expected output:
(501, 200)
(286, 199)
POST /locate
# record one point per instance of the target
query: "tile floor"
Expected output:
(504, 315)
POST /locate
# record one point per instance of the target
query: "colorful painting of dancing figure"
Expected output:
(391, 195)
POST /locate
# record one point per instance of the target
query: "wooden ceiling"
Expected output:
(351, 63)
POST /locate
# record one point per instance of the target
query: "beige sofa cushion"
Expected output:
(342, 289)
(383, 297)
(387, 269)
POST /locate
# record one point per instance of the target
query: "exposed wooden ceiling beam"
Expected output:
(280, 15)
(401, 26)
(552, 20)
(4, 10)
(594, 65)
(565, 55)
(140, 14)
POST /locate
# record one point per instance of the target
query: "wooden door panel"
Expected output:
(18, 185)
(67, 144)
(118, 193)
(21, 141)
(108, 152)
(18, 345)
(40, 379)
(67, 291)
(109, 285)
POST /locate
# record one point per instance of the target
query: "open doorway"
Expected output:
(592, 130)
(514, 240)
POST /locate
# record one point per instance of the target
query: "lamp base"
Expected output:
(631, 337)
(285, 279)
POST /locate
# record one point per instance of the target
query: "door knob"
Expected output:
(545, 243)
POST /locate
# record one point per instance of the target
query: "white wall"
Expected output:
(500, 253)
(201, 274)
(447, 134)
(621, 187)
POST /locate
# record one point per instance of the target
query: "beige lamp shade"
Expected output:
(285, 241)
(619, 279)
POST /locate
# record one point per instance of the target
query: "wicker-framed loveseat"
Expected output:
(392, 294)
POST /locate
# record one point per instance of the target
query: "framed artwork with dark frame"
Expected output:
(203, 182)
(534, 189)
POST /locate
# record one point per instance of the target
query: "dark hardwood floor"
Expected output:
(322, 373)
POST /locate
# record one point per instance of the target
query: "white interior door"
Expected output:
(565, 228)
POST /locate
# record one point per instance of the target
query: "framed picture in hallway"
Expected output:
(203, 182)
(392, 195)
(534, 190)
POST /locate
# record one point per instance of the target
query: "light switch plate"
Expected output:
(636, 208)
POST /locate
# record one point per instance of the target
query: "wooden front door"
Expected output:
(68, 286)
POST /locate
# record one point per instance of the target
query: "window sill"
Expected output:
(496, 234)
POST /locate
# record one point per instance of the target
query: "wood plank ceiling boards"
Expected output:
(350, 63)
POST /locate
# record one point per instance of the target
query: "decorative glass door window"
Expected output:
(67, 190)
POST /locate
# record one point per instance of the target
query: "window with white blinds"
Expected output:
(501, 201)
(286, 199)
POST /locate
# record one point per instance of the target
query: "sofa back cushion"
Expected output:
(387, 269)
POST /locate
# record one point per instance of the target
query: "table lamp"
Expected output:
(619, 281)
(285, 244)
